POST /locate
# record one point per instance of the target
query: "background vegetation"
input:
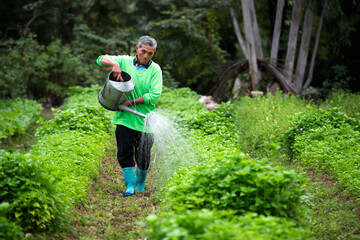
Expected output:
(276, 167)
(47, 46)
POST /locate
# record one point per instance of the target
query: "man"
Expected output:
(130, 133)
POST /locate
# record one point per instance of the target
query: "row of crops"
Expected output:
(322, 137)
(224, 193)
(16, 116)
(39, 187)
(228, 195)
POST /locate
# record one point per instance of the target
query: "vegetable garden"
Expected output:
(259, 170)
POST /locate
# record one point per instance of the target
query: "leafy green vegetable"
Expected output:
(239, 184)
(16, 115)
(206, 224)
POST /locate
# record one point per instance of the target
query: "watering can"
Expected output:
(113, 94)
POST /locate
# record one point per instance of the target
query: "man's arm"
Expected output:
(115, 67)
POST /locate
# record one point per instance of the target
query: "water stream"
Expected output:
(171, 150)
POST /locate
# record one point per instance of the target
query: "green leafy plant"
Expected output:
(332, 151)
(43, 72)
(78, 118)
(239, 184)
(206, 224)
(40, 186)
(16, 115)
(346, 102)
(35, 202)
(182, 102)
(9, 230)
(314, 118)
(74, 158)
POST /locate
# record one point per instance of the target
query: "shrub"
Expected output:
(74, 158)
(8, 229)
(334, 151)
(205, 224)
(312, 119)
(16, 115)
(239, 184)
(35, 202)
(43, 72)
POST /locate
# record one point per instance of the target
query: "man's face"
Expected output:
(145, 53)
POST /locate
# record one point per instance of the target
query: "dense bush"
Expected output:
(40, 186)
(35, 201)
(79, 118)
(9, 230)
(205, 224)
(43, 72)
(312, 119)
(16, 115)
(239, 184)
(327, 141)
(219, 180)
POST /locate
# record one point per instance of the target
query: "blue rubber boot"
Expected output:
(140, 179)
(129, 177)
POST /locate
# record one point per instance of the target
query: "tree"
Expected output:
(290, 79)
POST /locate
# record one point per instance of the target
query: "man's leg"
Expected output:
(125, 139)
(142, 156)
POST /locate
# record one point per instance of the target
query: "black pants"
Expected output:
(128, 141)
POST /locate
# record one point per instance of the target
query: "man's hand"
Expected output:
(117, 71)
(128, 104)
(115, 67)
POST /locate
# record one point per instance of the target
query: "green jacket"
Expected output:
(148, 84)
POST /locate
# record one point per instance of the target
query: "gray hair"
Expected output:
(147, 41)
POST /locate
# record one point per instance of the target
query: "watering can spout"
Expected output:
(125, 108)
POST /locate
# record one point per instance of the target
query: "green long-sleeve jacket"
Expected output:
(148, 84)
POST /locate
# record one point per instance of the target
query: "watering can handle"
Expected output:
(128, 109)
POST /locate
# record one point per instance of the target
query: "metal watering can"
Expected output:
(114, 93)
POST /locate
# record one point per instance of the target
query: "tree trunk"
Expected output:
(287, 86)
(291, 50)
(277, 31)
(258, 48)
(316, 44)
(304, 49)
(250, 42)
(238, 33)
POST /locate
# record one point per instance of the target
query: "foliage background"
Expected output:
(47, 46)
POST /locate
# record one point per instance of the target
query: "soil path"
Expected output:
(106, 214)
